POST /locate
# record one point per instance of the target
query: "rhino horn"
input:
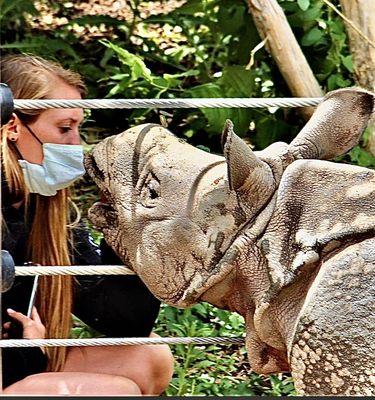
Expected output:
(248, 175)
(335, 126)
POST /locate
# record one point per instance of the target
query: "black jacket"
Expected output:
(117, 306)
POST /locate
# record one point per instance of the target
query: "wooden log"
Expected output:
(272, 23)
(362, 14)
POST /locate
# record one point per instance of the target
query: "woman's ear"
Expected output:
(13, 128)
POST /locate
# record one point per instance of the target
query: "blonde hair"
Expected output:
(32, 77)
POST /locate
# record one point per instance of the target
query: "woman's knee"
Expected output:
(161, 367)
(150, 367)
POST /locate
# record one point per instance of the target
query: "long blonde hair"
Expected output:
(32, 77)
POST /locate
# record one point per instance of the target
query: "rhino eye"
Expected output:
(150, 191)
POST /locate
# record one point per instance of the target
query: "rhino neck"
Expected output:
(226, 294)
(235, 258)
(239, 289)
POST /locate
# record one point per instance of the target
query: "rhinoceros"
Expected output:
(281, 236)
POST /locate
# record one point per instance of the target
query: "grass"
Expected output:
(215, 370)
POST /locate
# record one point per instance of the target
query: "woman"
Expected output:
(41, 157)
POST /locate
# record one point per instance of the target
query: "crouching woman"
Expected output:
(41, 157)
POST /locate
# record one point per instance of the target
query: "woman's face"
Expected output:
(59, 126)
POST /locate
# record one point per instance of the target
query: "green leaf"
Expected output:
(119, 88)
(40, 44)
(362, 157)
(269, 130)
(337, 81)
(306, 19)
(342, 82)
(215, 116)
(22, 45)
(204, 148)
(9, 8)
(331, 82)
(348, 62)
(312, 37)
(137, 67)
(303, 4)
(230, 19)
(237, 81)
(312, 14)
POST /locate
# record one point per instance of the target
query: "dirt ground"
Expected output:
(55, 14)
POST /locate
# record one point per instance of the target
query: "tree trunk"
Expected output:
(362, 14)
(271, 22)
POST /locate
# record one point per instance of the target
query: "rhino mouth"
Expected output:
(92, 168)
(102, 213)
(98, 176)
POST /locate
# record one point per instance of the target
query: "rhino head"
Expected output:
(229, 230)
(173, 212)
(171, 219)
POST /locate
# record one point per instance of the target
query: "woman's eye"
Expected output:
(65, 129)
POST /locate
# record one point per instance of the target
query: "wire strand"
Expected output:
(49, 270)
(118, 341)
(20, 104)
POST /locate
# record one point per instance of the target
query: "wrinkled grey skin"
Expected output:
(280, 236)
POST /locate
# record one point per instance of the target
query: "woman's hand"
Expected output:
(32, 327)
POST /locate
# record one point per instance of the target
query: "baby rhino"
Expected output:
(280, 236)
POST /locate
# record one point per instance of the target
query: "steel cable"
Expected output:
(20, 104)
(118, 341)
(73, 270)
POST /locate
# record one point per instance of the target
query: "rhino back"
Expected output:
(320, 206)
(333, 348)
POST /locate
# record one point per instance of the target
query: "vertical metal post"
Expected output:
(1, 285)
(6, 110)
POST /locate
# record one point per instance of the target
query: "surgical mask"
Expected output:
(62, 165)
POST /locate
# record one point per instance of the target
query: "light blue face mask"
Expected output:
(62, 165)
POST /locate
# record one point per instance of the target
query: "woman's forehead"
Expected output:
(74, 115)
(62, 90)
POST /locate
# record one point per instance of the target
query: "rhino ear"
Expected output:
(241, 160)
(248, 175)
(335, 126)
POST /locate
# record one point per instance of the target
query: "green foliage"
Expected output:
(234, 81)
(215, 370)
(359, 155)
(10, 8)
(325, 44)
(200, 49)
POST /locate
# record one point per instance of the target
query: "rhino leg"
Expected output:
(333, 348)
